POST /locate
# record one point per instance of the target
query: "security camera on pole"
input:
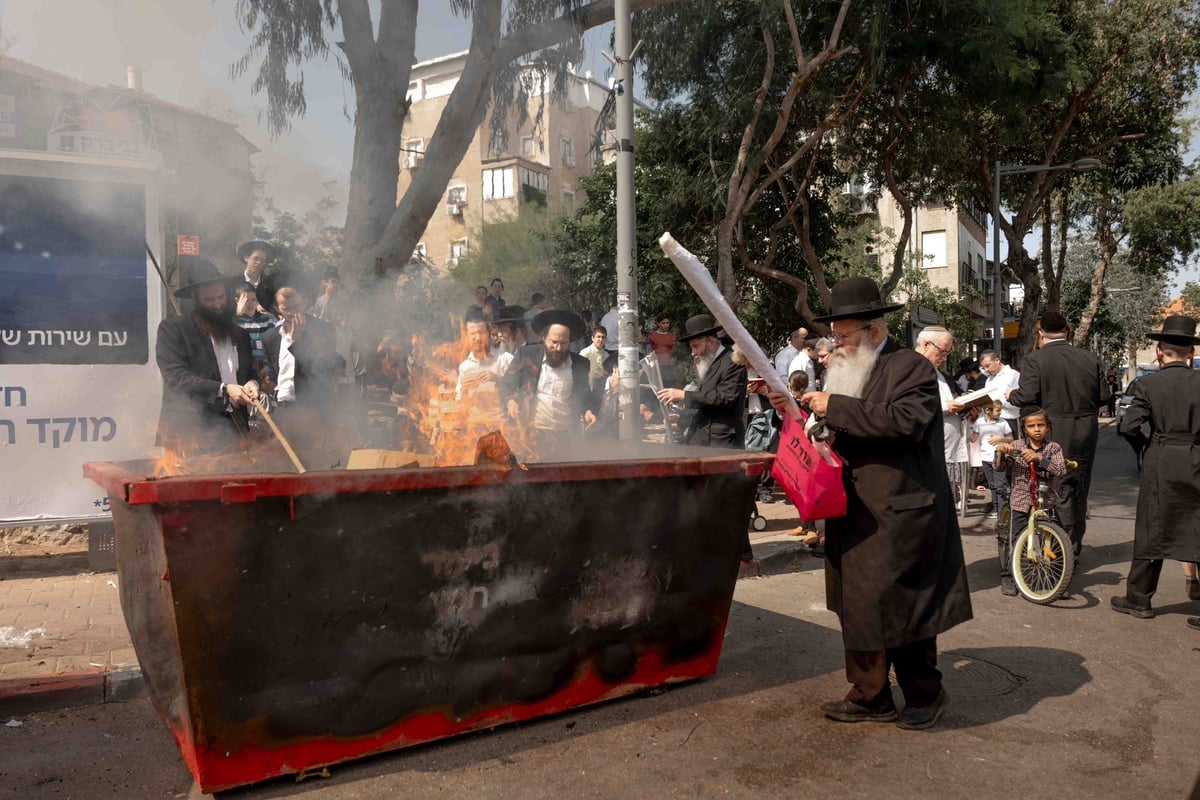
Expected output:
(628, 353)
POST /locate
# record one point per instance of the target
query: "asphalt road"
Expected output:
(1064, 702)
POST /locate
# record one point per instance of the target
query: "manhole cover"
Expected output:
(965, 676)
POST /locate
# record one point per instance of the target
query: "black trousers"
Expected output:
(1072, 503)
(1142, 582)
(916, 671)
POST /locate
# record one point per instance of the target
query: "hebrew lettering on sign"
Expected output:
(11, 338)
(62, 429)
(9, 391)
(38, 337)
(12, 430)
(81, 338)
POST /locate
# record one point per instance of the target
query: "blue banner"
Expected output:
(72, 272)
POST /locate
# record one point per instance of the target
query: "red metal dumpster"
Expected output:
(284, 622)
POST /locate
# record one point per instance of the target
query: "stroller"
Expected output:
(762, 435)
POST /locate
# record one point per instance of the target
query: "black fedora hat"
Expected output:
(557, 316)
(856, 298)
(699, 325)
(200, 272)
(246, 248)
(1176, 329)
(967, 365)
(509, 314)
(302, 282)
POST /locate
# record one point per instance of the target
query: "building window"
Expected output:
(414, 151)
(567, 151)
(528, 145)
(534, 179)
(458, 251)
(497, 183)
(933, 249)
(457, 194)
(568, 199)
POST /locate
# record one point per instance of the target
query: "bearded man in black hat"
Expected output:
(1065, 381)
(546, 385)
(1168, 520)
(894, 570)
(302, 362)
(206, 365)
(719, 400)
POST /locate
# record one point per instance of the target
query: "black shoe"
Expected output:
(1122, 606)
(916, 719)
(846, 711)
(1194, 623)
(1008, 587)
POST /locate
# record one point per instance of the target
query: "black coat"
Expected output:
(719, 404)
(1168, 509)
(894, 568)
(520, 382)
(193, 412)
(1066, 382)
(317, 361)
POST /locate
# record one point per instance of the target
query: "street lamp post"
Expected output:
(1079, 165)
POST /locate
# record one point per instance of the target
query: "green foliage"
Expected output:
(308, 242)
(517, 251)
(1189, 298)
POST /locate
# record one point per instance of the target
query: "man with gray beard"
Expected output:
(719, 401)
(894, 570)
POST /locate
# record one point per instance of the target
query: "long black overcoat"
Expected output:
(1168, 508)
(193, 414)
(719, 402)
(894, 570)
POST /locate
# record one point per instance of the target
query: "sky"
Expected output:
(184, 49)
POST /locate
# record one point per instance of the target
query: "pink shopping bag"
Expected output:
(809, 481)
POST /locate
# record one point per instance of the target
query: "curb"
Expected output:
(776, 557)
(23, 696)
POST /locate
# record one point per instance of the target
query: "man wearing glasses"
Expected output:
(894, 570)
(936, 343)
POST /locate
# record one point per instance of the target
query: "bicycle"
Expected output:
(1042, 557)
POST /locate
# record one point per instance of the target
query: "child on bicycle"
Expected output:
(1016, 458)
(990, 431)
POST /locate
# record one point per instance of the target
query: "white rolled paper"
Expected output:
(697, 275)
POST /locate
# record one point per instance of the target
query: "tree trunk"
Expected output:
(1108, 250)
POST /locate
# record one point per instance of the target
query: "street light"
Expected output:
(1078, 165)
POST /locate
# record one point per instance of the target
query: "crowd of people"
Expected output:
(904, 428)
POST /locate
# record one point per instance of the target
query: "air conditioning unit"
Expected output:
(454, 209)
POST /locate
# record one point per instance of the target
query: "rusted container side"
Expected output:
(285, 622)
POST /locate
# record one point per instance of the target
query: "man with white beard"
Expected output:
(894, 570)
(719, 401)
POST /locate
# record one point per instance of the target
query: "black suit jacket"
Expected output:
(720, 405)
(317, 361)
(193, 412)
(521, 379)
(1067, 383)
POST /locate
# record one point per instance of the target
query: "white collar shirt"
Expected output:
(285, 381)
(1006, 378)
(553, 406)
(227, 359)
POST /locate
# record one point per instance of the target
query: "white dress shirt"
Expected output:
(1006, 378)
(285, 381)
(227, 359)
(802, 363)
(472, 364)
(783, 360)
(553, 407)
(952, 425)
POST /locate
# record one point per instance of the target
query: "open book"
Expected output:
(980, 397)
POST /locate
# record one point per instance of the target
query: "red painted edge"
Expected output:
(138, 489)
(216, 771)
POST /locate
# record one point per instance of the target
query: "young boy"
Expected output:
(252, 319)
(1015, 458)
(989, 431)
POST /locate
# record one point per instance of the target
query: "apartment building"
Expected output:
(538, 167)
(949, 240)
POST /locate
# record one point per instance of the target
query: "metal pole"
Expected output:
(627, 291)
(997, 320)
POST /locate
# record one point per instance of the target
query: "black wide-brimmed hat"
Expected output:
(967, 365)
(856, 298)
(509, 314)
(200, 272)
(699, 325)
(557, 316)
(1176, 329)
(302, 282)
(246, 248)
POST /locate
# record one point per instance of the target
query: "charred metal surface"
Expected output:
(290, 631)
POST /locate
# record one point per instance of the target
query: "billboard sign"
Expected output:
(77, 309)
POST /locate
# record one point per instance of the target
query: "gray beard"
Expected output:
(702, 365)
(848, 374)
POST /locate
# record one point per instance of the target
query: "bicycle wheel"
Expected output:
(1043, 561)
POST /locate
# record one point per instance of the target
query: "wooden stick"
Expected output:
(163, 278)
(278, 435)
